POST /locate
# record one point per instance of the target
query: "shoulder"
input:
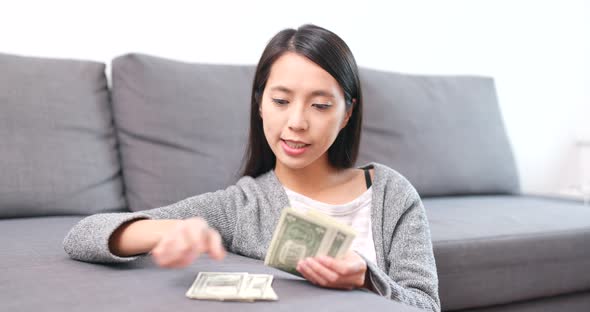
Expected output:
(383, 173)
(263, 185)
(267, 179)
(392, 181)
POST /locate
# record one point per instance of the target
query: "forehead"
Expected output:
(299, 74)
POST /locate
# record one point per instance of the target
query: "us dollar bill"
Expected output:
(258, 287)
(232, 286)
(300, 235)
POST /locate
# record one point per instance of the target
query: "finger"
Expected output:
(355, 266)
(194, 242)
(181, 261)
(310, 274)
(164, 259)
(176, 249)
(322, 271)
(195, 239)
(334, 279)
(162, 253)
(341, 266)
(156, 254)
(173, 253)
(303, 269)
(197, 230)
(181, 251)
(216, 249)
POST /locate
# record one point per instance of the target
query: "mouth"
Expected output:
(294, 148)
(295, 144)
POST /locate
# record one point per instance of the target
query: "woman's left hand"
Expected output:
(346, 273)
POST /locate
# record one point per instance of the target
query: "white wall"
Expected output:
(538, 51)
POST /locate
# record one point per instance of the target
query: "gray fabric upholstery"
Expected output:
(500, 249)
(443, 133)
(183, 127)
(176, 120)
(575, 302)
(58, 148)
(37, 275)
(247, 213)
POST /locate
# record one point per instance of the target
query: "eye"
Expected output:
(280, 101)
(322, 106)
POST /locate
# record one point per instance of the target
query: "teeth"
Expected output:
(295, 145)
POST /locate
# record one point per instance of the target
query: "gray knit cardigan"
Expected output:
(245, 214)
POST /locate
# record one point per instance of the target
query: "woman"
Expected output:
(305, 123)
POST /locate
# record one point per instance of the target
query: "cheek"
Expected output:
(272, 120)
(268, 129)
(268, 124)
(330, 128)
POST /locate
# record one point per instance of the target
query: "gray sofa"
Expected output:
(71, 145)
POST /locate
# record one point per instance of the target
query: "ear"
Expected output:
(348, 114)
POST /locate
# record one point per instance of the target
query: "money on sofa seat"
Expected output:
(232, 286)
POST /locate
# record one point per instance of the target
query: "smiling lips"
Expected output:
(294, 148)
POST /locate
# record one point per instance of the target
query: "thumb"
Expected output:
(215, 245)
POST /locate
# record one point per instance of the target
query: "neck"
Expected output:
(315, 177)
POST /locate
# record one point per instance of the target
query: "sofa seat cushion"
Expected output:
(37, 275)
(499, 249)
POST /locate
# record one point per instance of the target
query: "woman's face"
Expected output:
(303, 110)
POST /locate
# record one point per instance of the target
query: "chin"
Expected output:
(291, 163)
(294, 164)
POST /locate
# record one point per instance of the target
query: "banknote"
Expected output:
(232, 286)
(306, 234)
(258, 287)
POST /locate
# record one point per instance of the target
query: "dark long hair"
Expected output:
(331, 53)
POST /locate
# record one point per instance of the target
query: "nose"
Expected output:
(298, 119)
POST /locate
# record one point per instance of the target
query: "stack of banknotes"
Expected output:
(306, 234)
(298, 235)
(232, 286)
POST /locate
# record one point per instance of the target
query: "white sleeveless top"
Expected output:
(356, 213)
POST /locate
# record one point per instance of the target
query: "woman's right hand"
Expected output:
(185, 242)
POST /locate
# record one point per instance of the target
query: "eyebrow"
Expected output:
(313, 93)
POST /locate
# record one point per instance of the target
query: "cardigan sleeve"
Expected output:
(88, 240)
(411, 278)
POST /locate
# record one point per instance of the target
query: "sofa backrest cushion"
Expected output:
(58, 153)
(183, 127)
(445, 134)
